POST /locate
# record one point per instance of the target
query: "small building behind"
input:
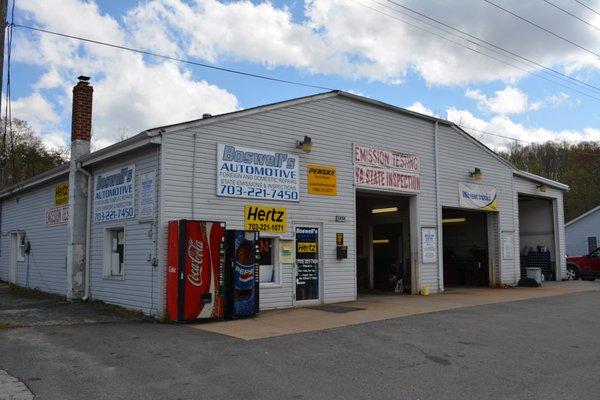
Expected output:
(583, 233)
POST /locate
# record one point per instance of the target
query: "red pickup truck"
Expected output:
(584, 267)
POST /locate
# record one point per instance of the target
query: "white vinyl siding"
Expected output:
(529, 187)
(578, 232)
(139, 286)
(460, 155)
(45, 267)
(334, 124)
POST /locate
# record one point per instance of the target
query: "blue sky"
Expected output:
(343, 44)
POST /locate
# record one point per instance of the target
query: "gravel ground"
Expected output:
(24, 307)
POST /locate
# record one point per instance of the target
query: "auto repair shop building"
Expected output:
(400, 202)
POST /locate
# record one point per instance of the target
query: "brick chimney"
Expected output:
(81, 124)
(81, 134)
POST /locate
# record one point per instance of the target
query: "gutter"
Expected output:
(541, 179)
(438, 211)
(88, 235)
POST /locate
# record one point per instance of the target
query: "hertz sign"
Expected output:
(265, 218)
(61, 194)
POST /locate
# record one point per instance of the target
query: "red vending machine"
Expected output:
(195, 270)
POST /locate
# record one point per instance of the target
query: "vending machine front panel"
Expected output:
(242, 273)
(195, 263)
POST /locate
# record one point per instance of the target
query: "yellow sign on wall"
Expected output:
(322, 180)
(61, 194)
(265, 218)
(306, 247)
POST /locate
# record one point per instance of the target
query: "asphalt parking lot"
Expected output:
(545, 348)
(23, 307)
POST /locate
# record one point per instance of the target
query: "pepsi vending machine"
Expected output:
(241, 274)
(195, 270)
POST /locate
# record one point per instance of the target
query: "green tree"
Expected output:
(23, 154)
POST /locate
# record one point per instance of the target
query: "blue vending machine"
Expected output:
(241, 273)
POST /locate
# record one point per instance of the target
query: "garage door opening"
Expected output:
(466, 254)
(536, 235)
(383, 261)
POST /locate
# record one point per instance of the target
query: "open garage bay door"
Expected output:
(536, 235)
(466, 248)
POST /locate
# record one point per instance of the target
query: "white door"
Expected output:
(308, 268)
(12, 263)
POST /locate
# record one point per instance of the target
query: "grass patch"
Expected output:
(6, 325)
(26, 292)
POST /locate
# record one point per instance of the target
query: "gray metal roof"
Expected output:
(51, 174)
(152, 136)
(582, 216)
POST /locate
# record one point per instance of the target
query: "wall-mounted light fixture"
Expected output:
(453, 220)
(542, 188)
(476, 174)
(305, 145)
(384, 210)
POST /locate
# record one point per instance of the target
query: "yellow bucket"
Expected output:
(425, 290)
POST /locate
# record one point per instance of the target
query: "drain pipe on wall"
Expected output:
(438, 212)
(88, 227)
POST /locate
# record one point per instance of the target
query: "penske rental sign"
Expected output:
(386, 170)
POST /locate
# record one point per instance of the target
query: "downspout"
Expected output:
(438, 214)
(88, 226)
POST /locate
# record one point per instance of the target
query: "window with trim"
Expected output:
(592, 243)
(267, 259)
(21, 244)
(114, 252)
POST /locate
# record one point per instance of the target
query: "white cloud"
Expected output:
(346, 38)
(509, 100)
(36, 110)
(488, 130)
(130, 93)
(418, 107)
(338, 37)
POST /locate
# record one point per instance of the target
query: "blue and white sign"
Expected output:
(429, 245)
(114, 194)
(147, 194)
(257, 174)
(479, 197)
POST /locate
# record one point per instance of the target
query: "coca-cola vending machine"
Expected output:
(241, 274)
(195, 270)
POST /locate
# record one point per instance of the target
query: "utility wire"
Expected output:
(467, 129)
(317, 86)
(571, 14)
(170, 58)
(548, 31)
(492, 45)
(586, 6)
(528, 71)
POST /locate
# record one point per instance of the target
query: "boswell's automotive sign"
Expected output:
(114, 194)
(386, 170)
(256, 174)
